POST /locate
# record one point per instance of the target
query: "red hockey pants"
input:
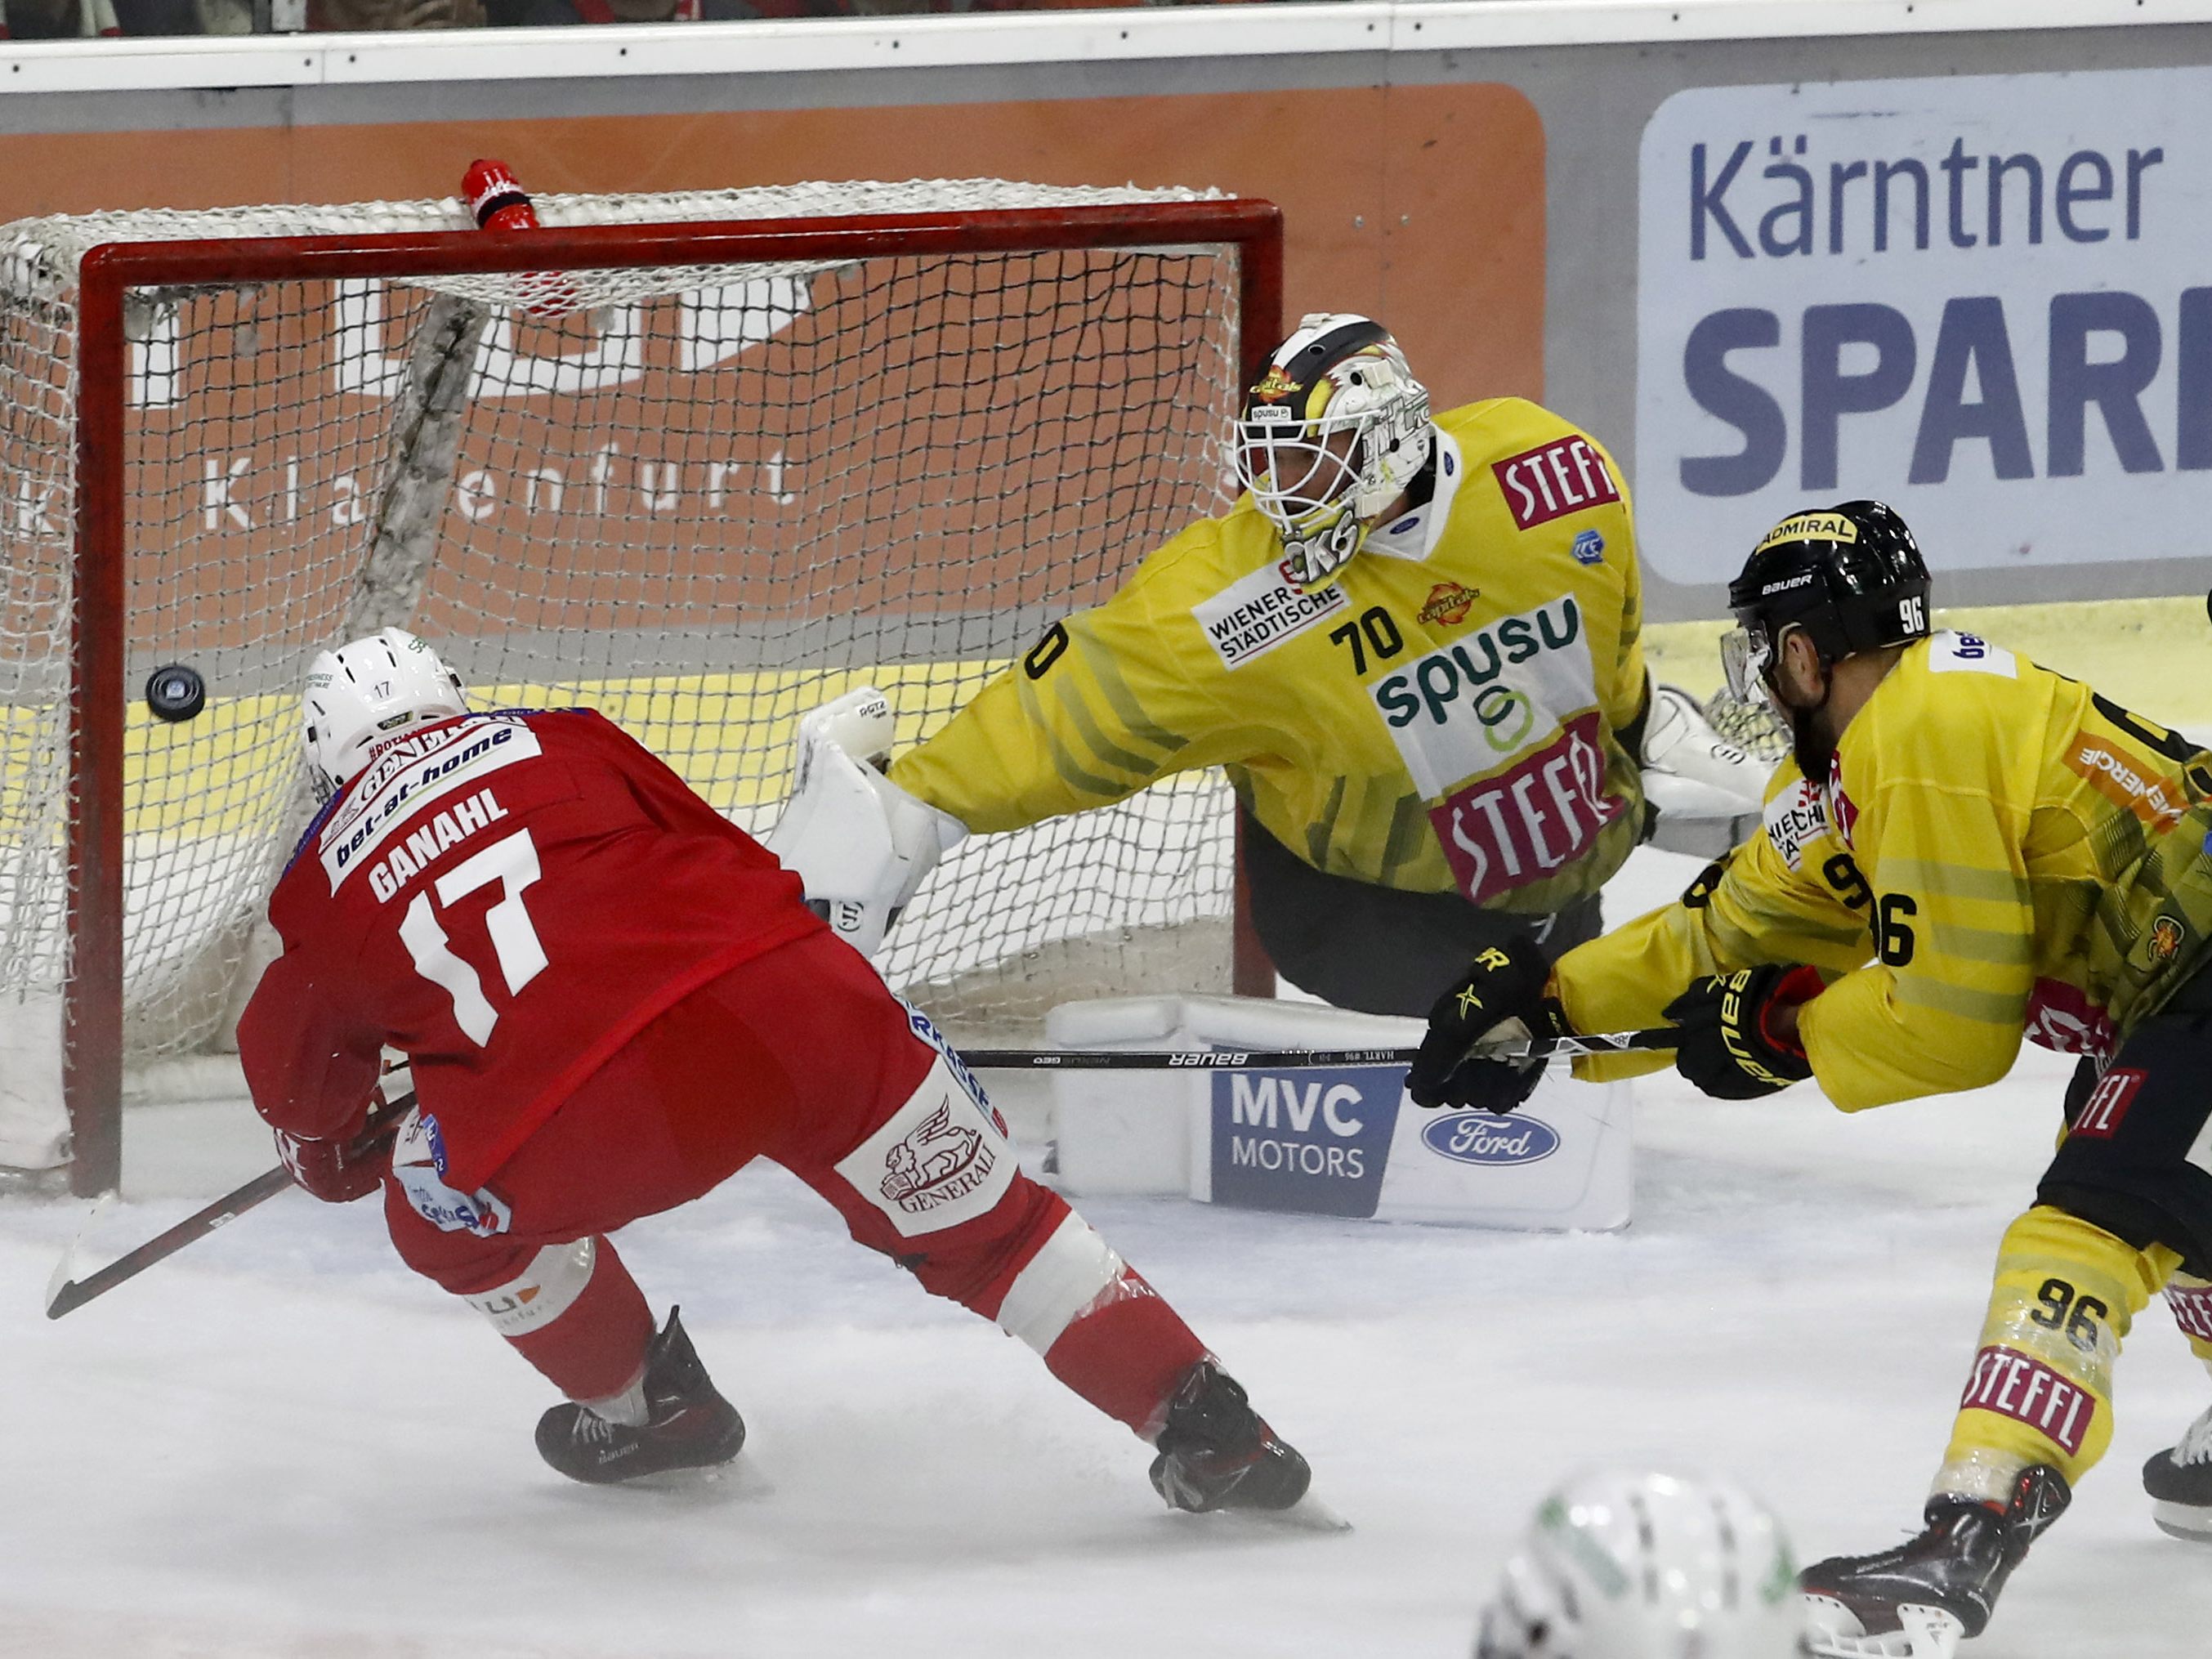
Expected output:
(802, 1057)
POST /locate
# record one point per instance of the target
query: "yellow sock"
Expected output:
(2041, 1388)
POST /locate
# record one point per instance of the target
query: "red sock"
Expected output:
(1125, 1353)
(591, 1344)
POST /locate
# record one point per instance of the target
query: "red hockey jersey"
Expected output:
(507, 899)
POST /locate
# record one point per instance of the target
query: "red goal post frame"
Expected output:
(92, 1053)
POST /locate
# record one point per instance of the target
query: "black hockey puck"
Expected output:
(174, 692)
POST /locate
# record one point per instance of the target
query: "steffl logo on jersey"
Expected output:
(1530, 821)
(1562, 477)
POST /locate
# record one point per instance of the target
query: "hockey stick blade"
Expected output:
(72, 1293)
(65, 1295)
(1285, 1060)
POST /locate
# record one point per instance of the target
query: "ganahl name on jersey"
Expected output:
(409, 773)
(1565, 476)
(449, 827)
(1255, 614)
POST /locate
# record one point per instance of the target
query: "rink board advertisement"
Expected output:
(1351, 1143)
(1987, 299)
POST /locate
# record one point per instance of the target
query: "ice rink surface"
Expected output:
(281, 1443)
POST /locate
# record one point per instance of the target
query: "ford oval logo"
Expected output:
(1485, 1138)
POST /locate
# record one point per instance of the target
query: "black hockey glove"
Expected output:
(1501, 997)
(1729, 1046)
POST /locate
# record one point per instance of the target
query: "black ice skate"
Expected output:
(1920, 1598)
(1216, 1453)
(689, 1425)
(2179, 1482)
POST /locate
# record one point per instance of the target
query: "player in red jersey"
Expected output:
(611, 1000)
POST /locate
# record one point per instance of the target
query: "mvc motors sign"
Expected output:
(1309, 1141)
(1986, 300)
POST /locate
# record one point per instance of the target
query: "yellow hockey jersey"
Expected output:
(1997, 851)
(1444, 714)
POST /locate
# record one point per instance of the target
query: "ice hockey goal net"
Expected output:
(745, 449)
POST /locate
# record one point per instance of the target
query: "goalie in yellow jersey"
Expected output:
(1967, 849)
(1413, 645)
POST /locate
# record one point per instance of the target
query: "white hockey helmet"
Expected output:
(1331, 436)
(366, 691)
(1624, 1565)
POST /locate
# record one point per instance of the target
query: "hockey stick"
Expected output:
(1108, 1060)
(68, 1295)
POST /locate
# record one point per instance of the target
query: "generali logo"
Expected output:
(936, 1164)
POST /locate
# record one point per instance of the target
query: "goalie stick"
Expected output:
(1108, 1060)
(66, 1295)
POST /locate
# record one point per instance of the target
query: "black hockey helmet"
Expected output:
(1850, 575)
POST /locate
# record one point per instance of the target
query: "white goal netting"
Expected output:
(701, 499)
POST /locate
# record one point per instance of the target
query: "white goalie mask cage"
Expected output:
(1330, 437)
(366, 691)
(1620, 1564)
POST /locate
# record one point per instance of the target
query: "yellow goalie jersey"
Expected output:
(1444, 714)
(1998, 850)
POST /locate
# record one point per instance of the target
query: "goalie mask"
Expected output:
(1330, 437)
(1621, 1565)
(367, 691)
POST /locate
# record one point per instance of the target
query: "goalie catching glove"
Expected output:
(861, 844)
(1732, 1046)
(1502, 1000)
